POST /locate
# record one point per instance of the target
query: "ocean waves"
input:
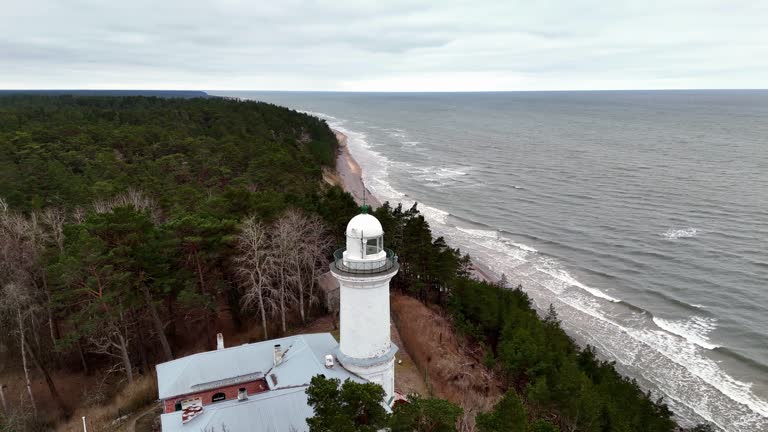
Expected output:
(671, 350)
(481, 233)
(694, 329)
(557, 272)
(433, 176)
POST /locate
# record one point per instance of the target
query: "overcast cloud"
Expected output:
(387, 45)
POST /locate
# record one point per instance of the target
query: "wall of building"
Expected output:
(230, 392)
(364, 319)
(381, 374)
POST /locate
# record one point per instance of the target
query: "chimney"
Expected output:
(219, 341)
(329, 361)
(278, 355)
(242, 395)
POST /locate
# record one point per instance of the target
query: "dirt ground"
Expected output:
(408, 377)
(146, 421)
(72, 385)
(451, 369)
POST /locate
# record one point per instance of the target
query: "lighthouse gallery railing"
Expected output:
(389, 263)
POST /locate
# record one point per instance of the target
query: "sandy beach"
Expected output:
(350, 174)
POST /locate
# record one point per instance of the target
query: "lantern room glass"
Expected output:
(374, 245)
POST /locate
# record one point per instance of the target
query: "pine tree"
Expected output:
(345, 407)
(425, 415)
(507, 416)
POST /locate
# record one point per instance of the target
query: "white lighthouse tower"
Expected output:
(364, 269)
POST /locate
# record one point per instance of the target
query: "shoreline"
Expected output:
(349, 175)
(681, 410)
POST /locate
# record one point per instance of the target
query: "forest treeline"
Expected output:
(131, 226)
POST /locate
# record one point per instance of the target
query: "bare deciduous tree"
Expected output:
(133, 198)
(18, 261)
(78, 215)
(296, 223)
(16, 303)
(254, 262)
(283, 245)
(301, 242)
(54, 219)
(317, 242)
(22, 240)
(114, 340)
(278, 265)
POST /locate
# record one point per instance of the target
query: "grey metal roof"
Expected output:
(303, 358)
(283, 410)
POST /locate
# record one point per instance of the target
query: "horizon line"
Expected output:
(376, 91)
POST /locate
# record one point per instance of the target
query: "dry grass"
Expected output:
(149, 421)
(74, 387)
(450, 370)
(105, 417)
(23, 421)
(408, 378)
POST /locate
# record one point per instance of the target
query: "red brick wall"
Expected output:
(230, 392)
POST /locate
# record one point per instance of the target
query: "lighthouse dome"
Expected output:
(364, 226)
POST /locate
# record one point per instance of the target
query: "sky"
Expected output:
(386, 45)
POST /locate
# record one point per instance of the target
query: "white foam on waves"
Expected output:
(674, 234)
(672, 364)
(682, 343)
(438, 176)
(695, 329)
(495, 235)
(519, 245)
(557, 272)
(433, 215)
(320, 115)
(480, 233)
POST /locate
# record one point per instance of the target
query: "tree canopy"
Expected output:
(359, 407)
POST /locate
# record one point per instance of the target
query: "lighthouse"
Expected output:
(364, 269)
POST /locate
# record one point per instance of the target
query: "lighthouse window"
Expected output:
(374, 246)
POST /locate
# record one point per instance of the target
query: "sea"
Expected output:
(642, 216)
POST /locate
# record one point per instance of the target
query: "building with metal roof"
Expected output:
(283, 410)
(275, 371)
